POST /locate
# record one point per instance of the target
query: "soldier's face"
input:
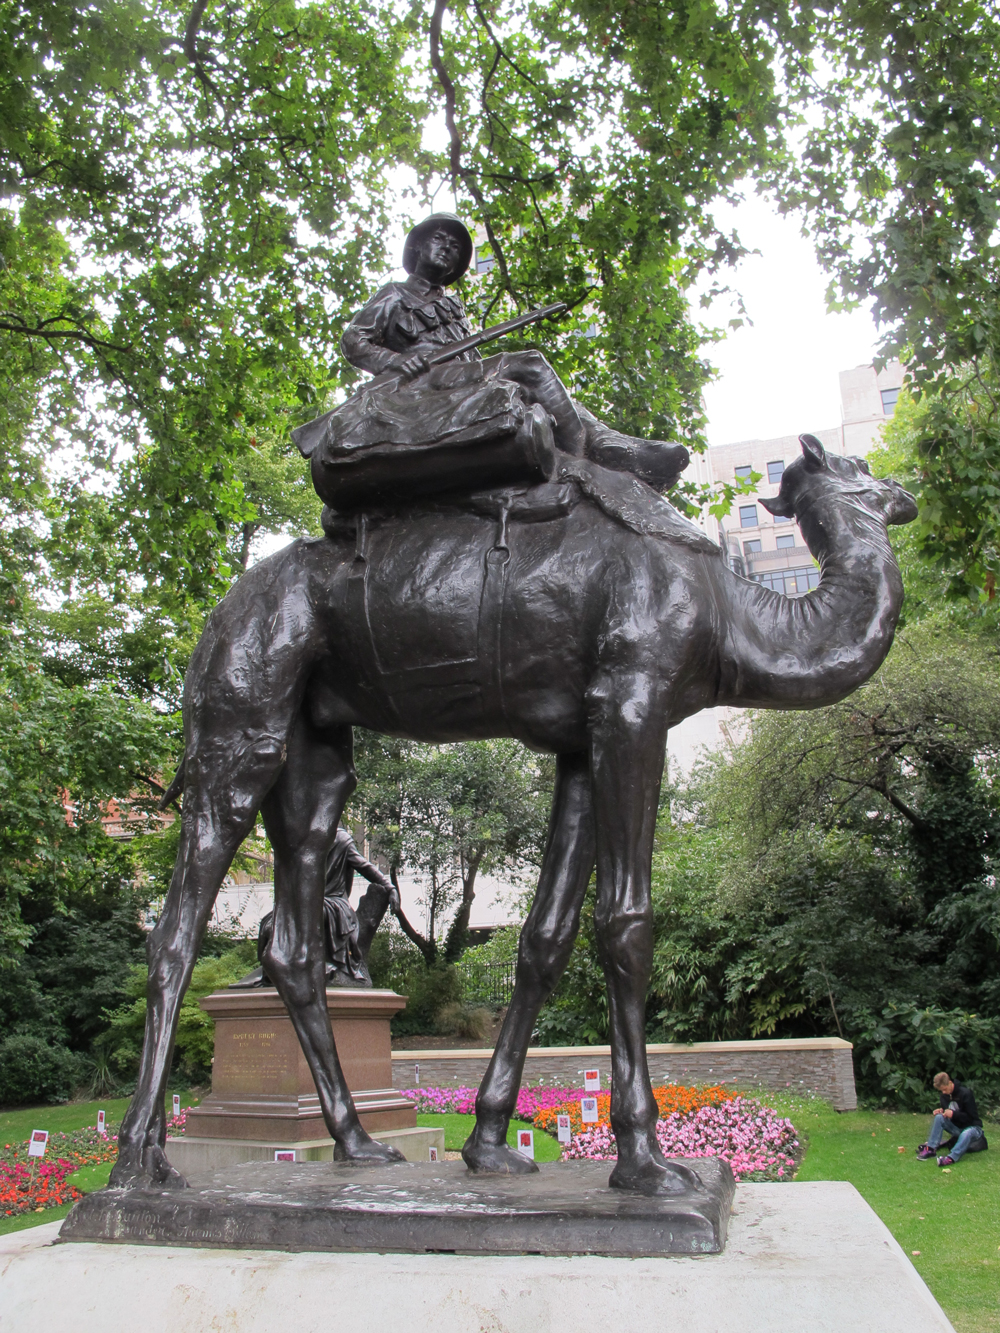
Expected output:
(438, 254)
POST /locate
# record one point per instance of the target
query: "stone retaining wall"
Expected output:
(821, 1065)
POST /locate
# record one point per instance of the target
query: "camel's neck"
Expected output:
(804, 652)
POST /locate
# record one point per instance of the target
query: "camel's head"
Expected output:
(819, 474)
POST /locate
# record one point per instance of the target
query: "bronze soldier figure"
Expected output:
(364, 447)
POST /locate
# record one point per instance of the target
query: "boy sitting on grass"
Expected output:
(957, 1115)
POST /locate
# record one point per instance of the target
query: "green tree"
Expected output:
(448, 813)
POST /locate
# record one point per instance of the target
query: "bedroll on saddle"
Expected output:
(449, 431)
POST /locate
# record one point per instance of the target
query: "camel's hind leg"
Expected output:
(220, 806)
(543, 952)
(301, 814)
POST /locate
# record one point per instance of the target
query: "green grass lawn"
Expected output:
(59, 1119)
(951, 1217)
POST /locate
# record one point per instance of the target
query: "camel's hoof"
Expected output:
(150, 1171)
(652, 1177)
(370, 1153)
(496, 1159)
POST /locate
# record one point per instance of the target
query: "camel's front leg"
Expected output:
(544, 949)
(628, 743)
(220, 806)
(301, 814)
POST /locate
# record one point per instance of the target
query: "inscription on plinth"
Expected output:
(262, 1087)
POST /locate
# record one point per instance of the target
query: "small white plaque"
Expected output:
(588, 1110)
(564, 1130)
(526, 1142)
(433, 1153)
(38, 1142)
(177, 1105)
(100, 1122)
(284, 1154)
(416, 1076)
(592, 1080)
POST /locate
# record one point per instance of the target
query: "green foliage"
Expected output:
(64, 752)
(577, 1013)
(901, 1049)
(898, 182)
(447, 813)
(33, 1071)
(195, 1042)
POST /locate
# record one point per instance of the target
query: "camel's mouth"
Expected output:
(904, 507)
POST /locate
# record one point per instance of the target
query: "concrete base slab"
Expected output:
(801, 1258)
(196, 1156)
(562, 1208)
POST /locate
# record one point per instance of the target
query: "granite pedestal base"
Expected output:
(262, 1088)
(800, 1258)
(563, 1208)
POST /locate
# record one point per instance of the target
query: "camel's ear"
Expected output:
(813, 452)
(779, 507)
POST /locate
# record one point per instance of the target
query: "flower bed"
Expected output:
(23, 1190)
(669, 1100)
(756, 1142)
(462, 1101)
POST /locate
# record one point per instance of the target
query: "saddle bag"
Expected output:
(440, 433)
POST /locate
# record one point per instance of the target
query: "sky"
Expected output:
(780, 376)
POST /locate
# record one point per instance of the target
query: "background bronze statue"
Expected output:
(582, 628)
(347, 934)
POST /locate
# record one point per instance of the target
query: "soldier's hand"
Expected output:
(413, 365)
(394, 898)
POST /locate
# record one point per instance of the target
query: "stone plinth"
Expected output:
(800, 1258)
(563, 1208)
(262, 1088)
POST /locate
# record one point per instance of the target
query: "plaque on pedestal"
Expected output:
(262, 1088)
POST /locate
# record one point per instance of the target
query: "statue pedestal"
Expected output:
(262, 1088)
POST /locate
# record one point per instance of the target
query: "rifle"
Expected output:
(452, 350)
(307, 437)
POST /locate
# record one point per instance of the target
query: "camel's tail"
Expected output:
(175, 788)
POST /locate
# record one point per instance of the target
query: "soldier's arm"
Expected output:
(362, 342)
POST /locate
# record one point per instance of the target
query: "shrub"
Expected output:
(195, 1043)
(466, 1022)
(33, 1071)
(429, 991)
(898, 1053)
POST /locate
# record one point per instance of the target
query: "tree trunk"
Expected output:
(428, 947)
(458, 932)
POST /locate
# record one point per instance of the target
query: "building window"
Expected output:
(752, 547)
(785, 541)
(774, 471)
(485, 259)
(780, 518)
(792, 582)
(743, 473)
(889, 399)
(748, 516)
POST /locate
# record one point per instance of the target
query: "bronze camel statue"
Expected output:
(584, 626)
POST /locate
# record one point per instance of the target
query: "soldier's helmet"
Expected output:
(448, 222)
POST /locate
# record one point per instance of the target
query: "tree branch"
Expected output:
(16, 324)
(455, 137)
(191, 47)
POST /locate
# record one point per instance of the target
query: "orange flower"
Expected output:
(668, 1100)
